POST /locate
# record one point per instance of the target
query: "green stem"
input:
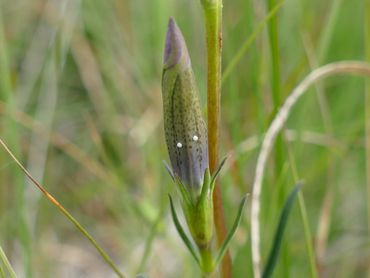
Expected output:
(304, 217)
(213, 25)
(367, 113)
(307, 235)
(329, 26)
(275, 86)
(277, 100)
(206, 261)
(213, 14)
(275, 57)
(150, 240)
(248, 42)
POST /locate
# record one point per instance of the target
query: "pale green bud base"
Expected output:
(198, 211)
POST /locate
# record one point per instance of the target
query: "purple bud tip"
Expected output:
(175, 48)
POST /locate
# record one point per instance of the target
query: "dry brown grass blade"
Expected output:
(58, 141)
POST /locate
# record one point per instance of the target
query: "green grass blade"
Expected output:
(182, 233)
(328, 30)
(235, 226)
(236, 59)
(367, 114)
(2, 275)
(274, 253)
(7, 265)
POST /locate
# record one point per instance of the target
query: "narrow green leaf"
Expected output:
(181, 232)
(7, 264)
(274, 253)
(235, 226)
(245, 46)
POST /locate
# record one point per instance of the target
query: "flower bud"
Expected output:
(185, 129)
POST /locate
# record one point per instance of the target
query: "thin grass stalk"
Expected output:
(150, 240)
(367, 113)
(325, 212)
(213, 26)
(277, 99)
(304, 217)
(307, 235)
(329, 27)
(324, 221)
(248, 42)
(275, 85)
(349, 67)
(91, 165)
(152, 234)
(84, 232)
(6, 264)
(10, 128)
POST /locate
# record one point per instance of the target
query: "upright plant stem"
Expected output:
(277, 100)
(367, 112)
(213, 25)
(275, 81)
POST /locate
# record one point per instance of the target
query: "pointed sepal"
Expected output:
(169, 169)
(206, 188)
(182, 233)
(216, 173)
(231, 234)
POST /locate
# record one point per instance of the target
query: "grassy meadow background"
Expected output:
(80, 106)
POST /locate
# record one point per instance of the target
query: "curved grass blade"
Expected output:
(235, 226)
(274, 253)
(7, 265)
(169, 169)
(181, 232)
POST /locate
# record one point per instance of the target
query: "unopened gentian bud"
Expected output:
(187, 143)
(185, 129)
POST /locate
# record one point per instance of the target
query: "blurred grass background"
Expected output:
(80, 105)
